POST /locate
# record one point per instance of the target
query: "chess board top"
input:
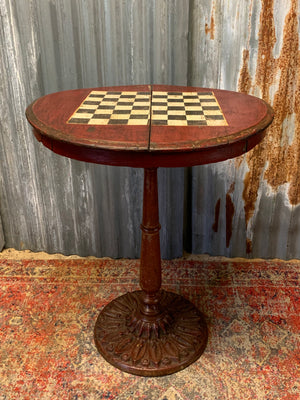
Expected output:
(108, 124)
(143, 108)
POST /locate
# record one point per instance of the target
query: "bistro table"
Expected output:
(150, 332)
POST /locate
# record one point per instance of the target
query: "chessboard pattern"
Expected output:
(135, 108)
(110, 108)
(186, 108)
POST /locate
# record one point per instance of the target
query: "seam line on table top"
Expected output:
(150, 119)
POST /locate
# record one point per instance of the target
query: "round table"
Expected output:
(150, 332)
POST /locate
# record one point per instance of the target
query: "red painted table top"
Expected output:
(149, 126)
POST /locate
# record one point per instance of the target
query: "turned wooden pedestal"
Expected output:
(150, 332)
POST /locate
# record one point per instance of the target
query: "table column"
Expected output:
(150, 332)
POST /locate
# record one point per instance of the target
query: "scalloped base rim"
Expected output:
(181, 341)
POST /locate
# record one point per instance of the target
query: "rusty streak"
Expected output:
(248, 246)
(215, 226)
(229, 218)
(211, 30)
(245, 77)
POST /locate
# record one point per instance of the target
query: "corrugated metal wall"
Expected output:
(244, 207)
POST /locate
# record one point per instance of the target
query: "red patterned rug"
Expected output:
(48, 309)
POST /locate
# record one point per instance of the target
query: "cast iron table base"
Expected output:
(150, 332)
(132, 342)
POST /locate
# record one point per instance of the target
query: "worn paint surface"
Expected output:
(246, 45)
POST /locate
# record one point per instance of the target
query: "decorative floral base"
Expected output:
(168, 343)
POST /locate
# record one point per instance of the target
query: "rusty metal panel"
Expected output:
(255, 199)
